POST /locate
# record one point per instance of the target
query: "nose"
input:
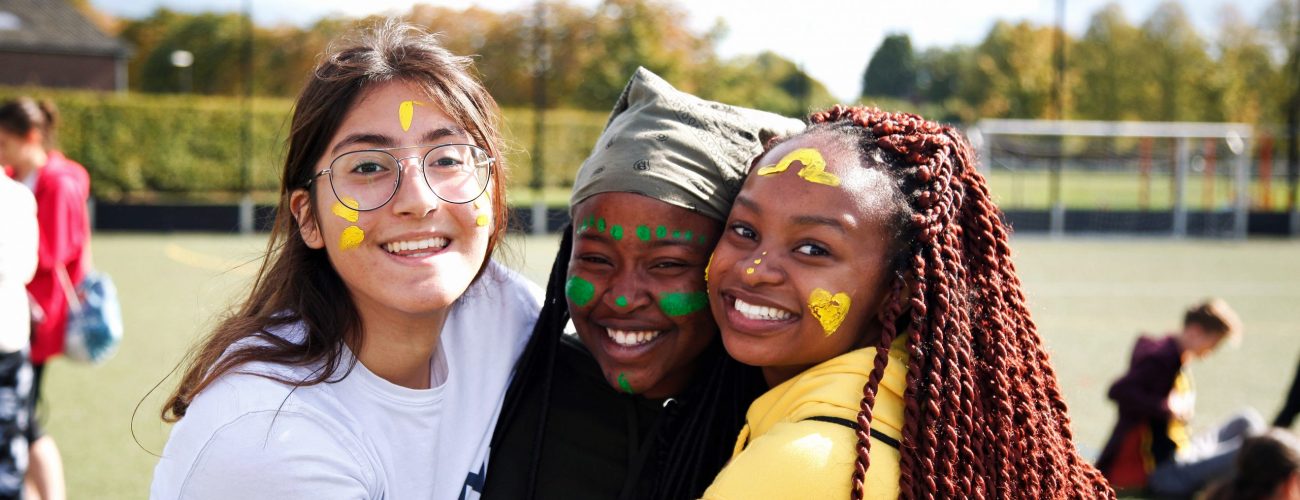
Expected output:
(413, 196)
(626, 293)
(759, 269)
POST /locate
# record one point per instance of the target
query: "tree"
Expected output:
(1109, 61)
(892, 69)
(1176, 68)
(1013, 73)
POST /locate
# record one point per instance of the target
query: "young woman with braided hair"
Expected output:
(865, 268)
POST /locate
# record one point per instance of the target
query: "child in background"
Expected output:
(866, 270)
(1268, 468)
(1150, 446)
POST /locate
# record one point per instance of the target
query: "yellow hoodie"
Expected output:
(780, 454)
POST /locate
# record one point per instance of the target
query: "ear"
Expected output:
(305, 215)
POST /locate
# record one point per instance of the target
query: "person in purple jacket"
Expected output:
(1150, 446)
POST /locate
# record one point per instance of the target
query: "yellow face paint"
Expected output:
(343, 211)
(482, 220)
(351, 238)
(706, 268)
(749, 271)
(829, 310)
(758, 261)
(814, 167)
(406, 112)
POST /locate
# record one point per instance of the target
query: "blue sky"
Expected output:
(833, 39)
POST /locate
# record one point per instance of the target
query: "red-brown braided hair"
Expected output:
(984, 416)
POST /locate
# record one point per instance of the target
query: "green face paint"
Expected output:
(579, 291)
(677, 235)
(621, 301)
(681, 304)
(687, 236)
(600, 225)
(616, 232)
(643, 232)
(661, 232)
(622, 382)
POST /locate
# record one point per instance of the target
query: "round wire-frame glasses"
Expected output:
(368, 179)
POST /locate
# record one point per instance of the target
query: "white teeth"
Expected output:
(402, 246)
(631, 338)
(763, 313)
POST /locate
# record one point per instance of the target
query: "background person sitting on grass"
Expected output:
(1150, 446)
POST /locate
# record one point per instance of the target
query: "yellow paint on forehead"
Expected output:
(343, 211)
(829, 310)
(406, 112)
(351, 238)
(814, 167)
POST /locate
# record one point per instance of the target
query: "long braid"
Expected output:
(983, 413)
(535, 369)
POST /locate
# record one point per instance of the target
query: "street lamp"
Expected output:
(183, 60)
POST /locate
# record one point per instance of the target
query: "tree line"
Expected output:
(1160, 69)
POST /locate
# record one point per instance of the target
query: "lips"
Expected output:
(416, 246)
(632, 338)
(755, 315)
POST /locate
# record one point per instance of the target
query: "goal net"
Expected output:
(1176, 179)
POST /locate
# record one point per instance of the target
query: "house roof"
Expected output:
(52, 26)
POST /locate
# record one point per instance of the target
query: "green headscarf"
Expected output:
(677, 148)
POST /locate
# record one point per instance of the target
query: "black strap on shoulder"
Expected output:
(880, 436)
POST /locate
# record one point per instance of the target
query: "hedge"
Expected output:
(143, 146)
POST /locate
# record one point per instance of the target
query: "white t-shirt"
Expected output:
(361, 437)
(18, 247)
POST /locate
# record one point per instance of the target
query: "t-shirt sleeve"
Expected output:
(221, 449)
(797, 460)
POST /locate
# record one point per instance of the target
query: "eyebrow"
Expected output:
(383, 141)
(801, 220)
(656, 243)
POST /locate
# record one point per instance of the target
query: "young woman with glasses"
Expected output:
(371, 356)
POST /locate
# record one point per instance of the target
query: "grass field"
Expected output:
(1090, 298)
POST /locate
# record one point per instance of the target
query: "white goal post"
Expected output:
(1236, 136)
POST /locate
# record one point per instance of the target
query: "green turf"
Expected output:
(1090, 298)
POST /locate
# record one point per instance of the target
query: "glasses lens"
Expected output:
(364, 180)
(457, 173)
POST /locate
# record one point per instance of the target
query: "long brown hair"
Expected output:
(24, 114)
(297, 283)
(984, 416)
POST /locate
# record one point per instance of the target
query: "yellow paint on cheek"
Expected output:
(706, 268)
(758, 261)
(351, 238)
(749, 271)
(482, 220)
(343, 211)
(829, 310)
(406, 112)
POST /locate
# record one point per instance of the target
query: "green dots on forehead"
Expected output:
(681, 304)
(579, 291)
(644, 232)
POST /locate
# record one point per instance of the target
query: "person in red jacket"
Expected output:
(61, 187)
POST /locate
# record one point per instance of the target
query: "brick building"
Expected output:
(48, 43)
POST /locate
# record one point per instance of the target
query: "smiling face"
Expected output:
(415, 255)
(800, 271)
(636, 290)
